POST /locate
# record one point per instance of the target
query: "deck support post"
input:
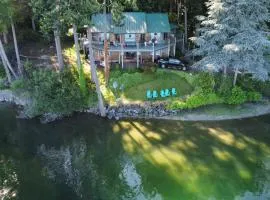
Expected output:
(153, 56)
(122, 51)
(138, 58)
(174, 47)
(119, 58)
(122, 59)
(169, 46)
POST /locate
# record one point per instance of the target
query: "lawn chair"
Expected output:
(149, 94)
(155, 94)
(162, 93)
(167, 93)
(174, 93)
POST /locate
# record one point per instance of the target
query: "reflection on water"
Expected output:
(89, 158)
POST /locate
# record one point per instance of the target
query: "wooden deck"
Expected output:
(130, 47)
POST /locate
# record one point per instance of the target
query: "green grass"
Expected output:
(158, 82)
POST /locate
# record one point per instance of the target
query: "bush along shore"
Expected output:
(51, 95)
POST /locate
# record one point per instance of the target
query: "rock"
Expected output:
(50, 117)
(10, 97)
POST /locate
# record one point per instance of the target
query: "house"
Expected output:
(140, 36)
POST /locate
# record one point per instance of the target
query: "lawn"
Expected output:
(138, 83)
(139, 92)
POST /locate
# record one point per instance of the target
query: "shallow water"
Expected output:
(89, 158)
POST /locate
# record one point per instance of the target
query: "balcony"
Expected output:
(131, 46)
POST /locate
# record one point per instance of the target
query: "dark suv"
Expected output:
(172, 63)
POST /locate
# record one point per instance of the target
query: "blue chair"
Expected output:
(155, 94)
(174, 93)
(162, 93)
(167, 93)
(149, 94)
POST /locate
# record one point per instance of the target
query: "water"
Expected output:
(93, 159)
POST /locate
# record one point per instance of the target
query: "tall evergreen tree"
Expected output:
(232, 36)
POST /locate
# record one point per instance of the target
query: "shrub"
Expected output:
(196, 100)
(55, 92)
(176, 105)
(250, 84)
(205, 81)
(266, 89)
(2, 84)
(224, 87)
(2, 71)
(201, 99)
(238, 96)
(18, 84)
(254, 96)
(28, 68)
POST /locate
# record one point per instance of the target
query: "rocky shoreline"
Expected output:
(10, 97)
(149, 110)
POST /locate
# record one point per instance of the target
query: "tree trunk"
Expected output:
(106, 47)
(94, 74)
(33, 24)
(186, 28)
(179, 5)
(4, 64)
(225, 71)
(16, 48)
(5, 38)
(235, 76)
(58, 49)
(5, 60)
(77, 47)
(171, 6)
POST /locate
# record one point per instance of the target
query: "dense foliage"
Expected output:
(216, 89)
(58, 92)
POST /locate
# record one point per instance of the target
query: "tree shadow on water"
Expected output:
(198, 160)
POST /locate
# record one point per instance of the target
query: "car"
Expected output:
(172, 63)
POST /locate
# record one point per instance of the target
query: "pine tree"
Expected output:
(232, 37)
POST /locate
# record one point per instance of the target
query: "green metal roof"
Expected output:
(133, 22)
(158, 23)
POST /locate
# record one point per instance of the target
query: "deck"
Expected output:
(130, 47)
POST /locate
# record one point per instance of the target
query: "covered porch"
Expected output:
(139, 51)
